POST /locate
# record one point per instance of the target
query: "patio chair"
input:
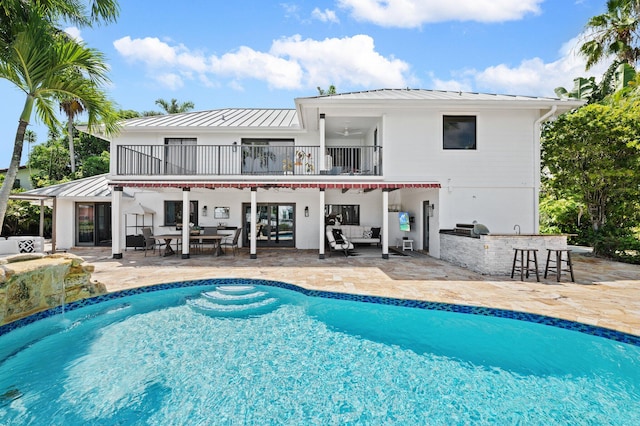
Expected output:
(231, 241)
(337, 241)
(208, 230)
(150, 242)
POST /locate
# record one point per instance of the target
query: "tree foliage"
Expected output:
(591, 155)
(48, 66)
(613, 33)
(173, 106)
(330, 91)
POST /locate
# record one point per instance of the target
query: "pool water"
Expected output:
(267, 355)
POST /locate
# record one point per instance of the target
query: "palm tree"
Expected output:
(614, 32)
(47, 67)
(71, 108)
(173, 107)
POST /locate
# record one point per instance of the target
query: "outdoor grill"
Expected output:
(470, 230)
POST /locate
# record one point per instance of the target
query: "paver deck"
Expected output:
(605, 293)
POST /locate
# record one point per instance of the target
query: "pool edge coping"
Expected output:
(593, 330)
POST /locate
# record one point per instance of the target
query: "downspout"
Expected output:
(536, 168)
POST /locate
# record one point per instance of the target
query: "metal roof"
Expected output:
(221, 118)
(422, 94)
(94, 186)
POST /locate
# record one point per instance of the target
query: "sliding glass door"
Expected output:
(275, 225)
(93, 224)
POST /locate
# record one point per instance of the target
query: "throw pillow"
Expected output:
(367, 234)
(375, 232)
(337, 235)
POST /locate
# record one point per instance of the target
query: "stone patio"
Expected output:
(605, 293)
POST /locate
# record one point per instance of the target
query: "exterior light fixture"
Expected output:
(306, 211)
(235, 146)
(204, 210)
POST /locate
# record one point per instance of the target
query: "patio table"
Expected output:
(169, 251)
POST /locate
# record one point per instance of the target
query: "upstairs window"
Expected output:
(459, 132)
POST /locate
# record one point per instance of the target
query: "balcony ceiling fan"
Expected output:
(346, 132)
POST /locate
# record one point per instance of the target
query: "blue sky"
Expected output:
(252, 53)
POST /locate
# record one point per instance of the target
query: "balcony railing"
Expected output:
(227, 160)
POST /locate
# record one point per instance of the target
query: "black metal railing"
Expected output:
(225, 160)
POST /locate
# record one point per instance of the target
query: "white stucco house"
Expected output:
(282, 174)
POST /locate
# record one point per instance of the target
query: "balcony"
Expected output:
(242, 160)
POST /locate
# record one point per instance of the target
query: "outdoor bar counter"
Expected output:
(492, 254)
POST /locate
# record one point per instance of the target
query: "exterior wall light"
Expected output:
(306, 211)
(204, 210)
(235, 146)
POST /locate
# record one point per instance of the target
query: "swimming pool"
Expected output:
(239, 354)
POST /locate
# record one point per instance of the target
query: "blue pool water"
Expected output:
(268, 355)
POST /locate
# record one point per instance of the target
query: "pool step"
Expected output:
(233, 299)
(234, 302)
(236, 289)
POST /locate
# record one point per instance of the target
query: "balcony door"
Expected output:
(266, 156)
(275, 225)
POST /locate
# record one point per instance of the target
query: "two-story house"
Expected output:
(282, 174)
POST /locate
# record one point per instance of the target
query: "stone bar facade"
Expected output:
(493, 254)
(30, 283)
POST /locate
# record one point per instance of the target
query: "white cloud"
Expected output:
(291, 63)
(414, 13)
(170, 80)
(149, 50)
(74, 32)
(326, 16)
(351, 60)
(534, 76)
(248, 63)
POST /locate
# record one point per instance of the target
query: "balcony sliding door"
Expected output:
(265, 156)
(180, 156)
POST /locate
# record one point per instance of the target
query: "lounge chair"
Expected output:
(337, 241)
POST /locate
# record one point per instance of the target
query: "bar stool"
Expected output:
(519, 264)
(556, 262)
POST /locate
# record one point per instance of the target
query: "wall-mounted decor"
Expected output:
(221, 213)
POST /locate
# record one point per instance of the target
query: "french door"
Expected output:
(275, 225)
(93, 224)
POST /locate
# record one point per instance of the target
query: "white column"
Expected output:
(321, 129)
(186, 209)
(252, 223)
(321, 225)
(116, 203)
(385, 224)
(41, 229)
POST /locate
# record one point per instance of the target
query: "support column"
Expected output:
(41, 230)
(186, 213)
(252, 223)
(54, 224)
(385, 224)
(321, 225)
(321, 129)
(116, 206)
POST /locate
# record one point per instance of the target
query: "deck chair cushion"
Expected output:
(337, 236)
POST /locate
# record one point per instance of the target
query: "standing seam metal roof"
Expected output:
(94, 186)
(229, 117)
(422, 94)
